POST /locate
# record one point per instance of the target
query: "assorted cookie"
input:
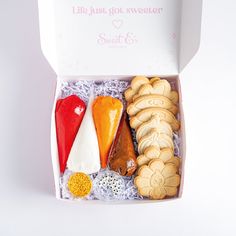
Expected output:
(157, 180)
(136, 83)
(160, 87)
(103, 158)
(165, 154)
(147, 113)
(154, 122)
(155, 139)
(148, 101)
(152, 106)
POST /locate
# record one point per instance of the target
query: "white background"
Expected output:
(27, 202)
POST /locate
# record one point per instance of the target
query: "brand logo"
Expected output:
(117, 39)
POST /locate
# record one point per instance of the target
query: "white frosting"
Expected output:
(84, 154)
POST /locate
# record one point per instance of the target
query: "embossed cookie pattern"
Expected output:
(157, 180)
(152, 106)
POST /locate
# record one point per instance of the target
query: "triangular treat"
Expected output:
(68, 116)
(84, 154)
(106, 115)
(122, 157)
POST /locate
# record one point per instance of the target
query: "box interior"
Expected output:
(175, 82)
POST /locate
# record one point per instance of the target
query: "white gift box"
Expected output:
(119, 39)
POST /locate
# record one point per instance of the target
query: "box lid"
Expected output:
(119, 37)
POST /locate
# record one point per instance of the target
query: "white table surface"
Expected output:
(27, 202)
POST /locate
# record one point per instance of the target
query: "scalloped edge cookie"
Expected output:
(152, 100)
(146, 114)
(160, 87)
(154, 122)
(153, 138)
(135, 85)
(165, 154)
(157, 180)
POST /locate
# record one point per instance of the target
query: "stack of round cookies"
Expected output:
(152, 107)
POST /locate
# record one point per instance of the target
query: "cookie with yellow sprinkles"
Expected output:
(79, 184)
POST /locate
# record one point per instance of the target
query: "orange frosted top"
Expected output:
(106, 114)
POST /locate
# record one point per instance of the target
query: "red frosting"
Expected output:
(69, 114)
